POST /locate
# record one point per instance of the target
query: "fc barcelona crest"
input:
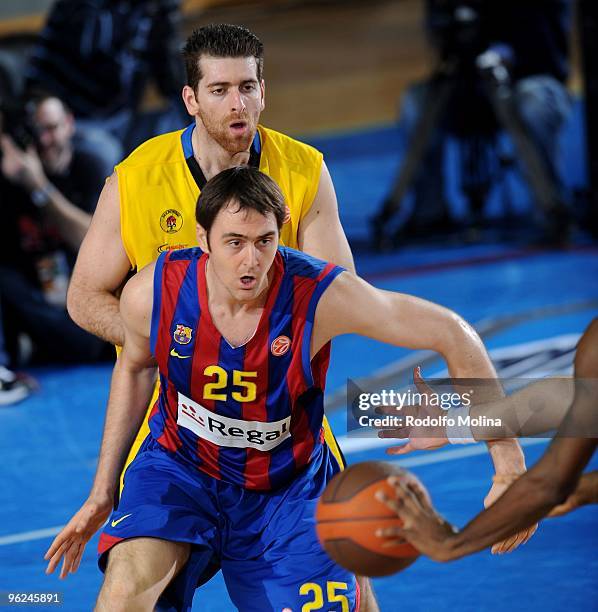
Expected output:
(182, 334)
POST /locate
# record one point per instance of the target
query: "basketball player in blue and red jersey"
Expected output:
(229, 476)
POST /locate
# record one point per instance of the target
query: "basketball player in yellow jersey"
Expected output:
(148, 205)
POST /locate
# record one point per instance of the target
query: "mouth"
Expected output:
(238, 127)
(248, 282)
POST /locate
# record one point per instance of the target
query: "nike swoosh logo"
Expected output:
(117, 521)
(173, 353)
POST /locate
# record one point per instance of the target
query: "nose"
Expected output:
(250, 259)
(238, 105)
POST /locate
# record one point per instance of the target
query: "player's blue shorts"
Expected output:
(264, 542)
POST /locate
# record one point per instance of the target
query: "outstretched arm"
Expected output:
(526, 501)
(132, 384)
(350, 305)
(536, 409)
(539, 408)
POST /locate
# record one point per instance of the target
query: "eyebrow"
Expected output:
(228, 83)
(235, 235)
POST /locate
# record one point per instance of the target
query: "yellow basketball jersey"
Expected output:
(159, 186)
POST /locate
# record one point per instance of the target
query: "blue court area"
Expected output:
(529, 305)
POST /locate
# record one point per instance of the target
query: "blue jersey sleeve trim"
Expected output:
(186, 141)
(157, 305)
(309, 323)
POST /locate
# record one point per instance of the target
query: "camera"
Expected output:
(457, 29)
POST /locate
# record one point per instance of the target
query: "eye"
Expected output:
(265, 241)
(218, 91)
(249, 86)
(234, 243)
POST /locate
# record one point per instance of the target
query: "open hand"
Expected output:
(71, 541)
(420, 437)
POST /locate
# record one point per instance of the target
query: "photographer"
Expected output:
(48, 192)
(528, 41)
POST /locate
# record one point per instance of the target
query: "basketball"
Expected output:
(348, 515)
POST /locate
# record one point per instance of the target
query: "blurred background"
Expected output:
(317, 54)
(347, 77)
(462, 139)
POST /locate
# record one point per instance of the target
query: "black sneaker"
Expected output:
(13, 388)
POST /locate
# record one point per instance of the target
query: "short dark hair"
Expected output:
(220, 40)
(245, 186)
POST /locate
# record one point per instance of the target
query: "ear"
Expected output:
(190, 100)
(263, 88)
(202, 238)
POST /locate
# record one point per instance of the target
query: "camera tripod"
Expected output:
(496, 84)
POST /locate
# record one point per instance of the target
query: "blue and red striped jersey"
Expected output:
(249, 415)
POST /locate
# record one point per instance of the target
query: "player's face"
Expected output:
(54, 127)
(229, 101)
(242, 248)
